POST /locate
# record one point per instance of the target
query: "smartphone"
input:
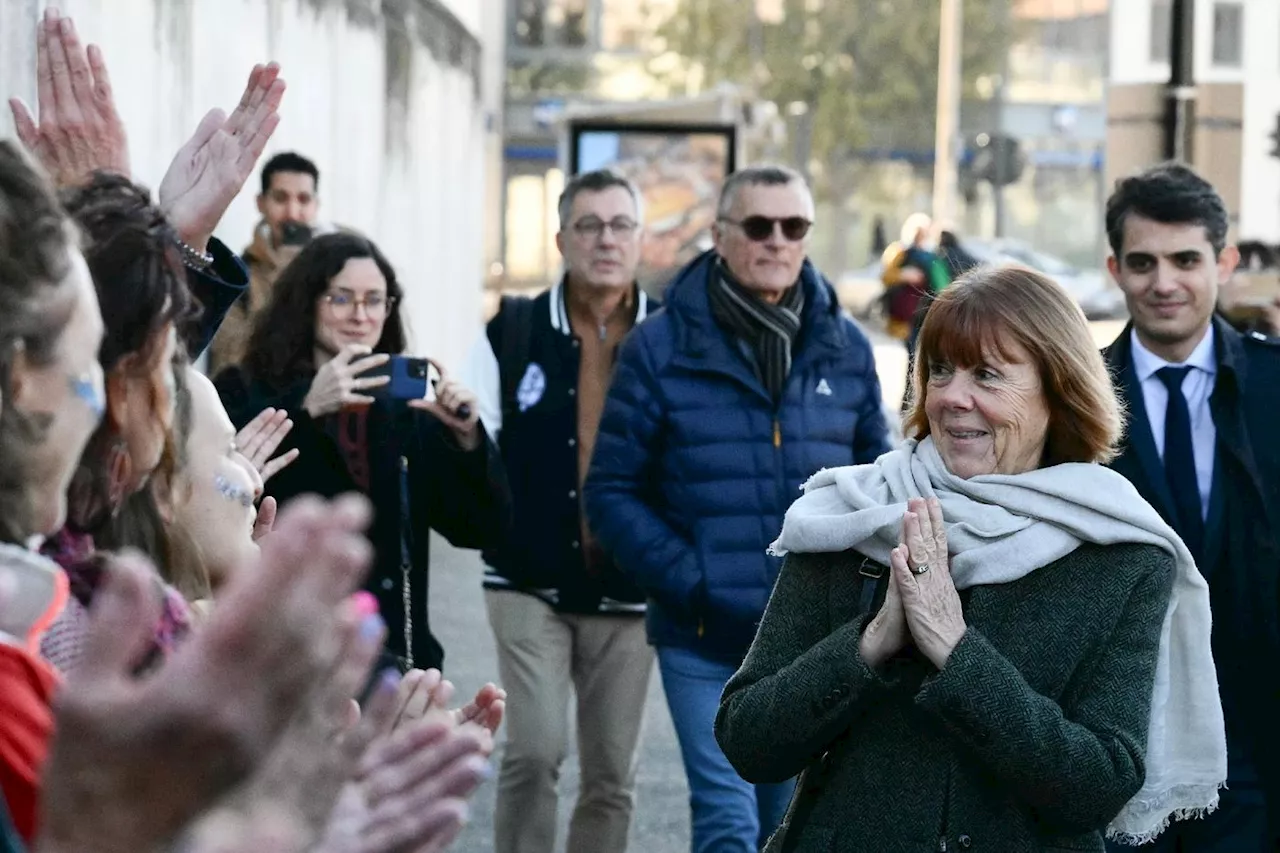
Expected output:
(295, 234)
(411, 379)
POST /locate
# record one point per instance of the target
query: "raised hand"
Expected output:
(411, 789)
(486, 710)
(79, 130)
(887, 633)
(210, 170)
(424, 691)
(261, 437)
(184, 735)
(929, 598)
(265, 521)
(319, 750)
(338, 383)
(416, 784)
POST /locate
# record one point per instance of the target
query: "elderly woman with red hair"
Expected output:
(985, 639)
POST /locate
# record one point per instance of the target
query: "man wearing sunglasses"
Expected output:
(746, 383)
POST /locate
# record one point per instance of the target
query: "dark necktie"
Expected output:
(1180, 461)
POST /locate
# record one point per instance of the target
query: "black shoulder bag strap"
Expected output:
(513, 355)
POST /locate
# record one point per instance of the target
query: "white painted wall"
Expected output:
(410, 176)
(1259, 73)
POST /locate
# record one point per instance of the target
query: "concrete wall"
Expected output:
(1258, 174)
(385, 95)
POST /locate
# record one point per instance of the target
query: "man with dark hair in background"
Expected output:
(1202, 400)
(289, 204)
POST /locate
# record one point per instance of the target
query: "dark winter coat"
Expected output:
(420, 480)
(1032, 737)
(695, 464)
(1242, 534)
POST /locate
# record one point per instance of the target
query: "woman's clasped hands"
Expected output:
(921, 606)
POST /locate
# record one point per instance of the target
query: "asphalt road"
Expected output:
(661, 820)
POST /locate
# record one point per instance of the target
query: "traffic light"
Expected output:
(996, 158)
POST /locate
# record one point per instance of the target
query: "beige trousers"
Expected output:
(543, 657)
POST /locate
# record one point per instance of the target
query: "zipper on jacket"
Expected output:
(777, 433)
(702, 628)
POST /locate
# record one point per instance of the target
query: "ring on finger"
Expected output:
(920, 569)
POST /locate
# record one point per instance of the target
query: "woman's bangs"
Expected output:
(964, 333)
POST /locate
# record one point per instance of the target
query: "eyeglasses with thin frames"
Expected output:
(593, 227)
(344, 305)
(761, 228)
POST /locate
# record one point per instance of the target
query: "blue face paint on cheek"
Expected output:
(232, 492)
(90, 393)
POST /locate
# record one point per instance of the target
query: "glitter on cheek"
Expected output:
(90, 393)
(232, 492)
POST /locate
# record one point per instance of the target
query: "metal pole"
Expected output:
(755, 48)
(948, 116)
(1180, 96)
(1001, 209)
(1001, 177)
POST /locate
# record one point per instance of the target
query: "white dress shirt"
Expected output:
(1197, 388)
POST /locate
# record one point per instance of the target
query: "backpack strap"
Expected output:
(515, 331)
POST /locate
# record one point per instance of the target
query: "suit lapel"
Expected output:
(1233, 449)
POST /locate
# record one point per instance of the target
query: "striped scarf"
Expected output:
(769, 330)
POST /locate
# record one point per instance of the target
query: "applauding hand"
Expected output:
(922, 570)
(79, 131)
(210, 170)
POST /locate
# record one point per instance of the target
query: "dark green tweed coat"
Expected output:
(1031, 738)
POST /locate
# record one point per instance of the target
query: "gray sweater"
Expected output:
(1031, 738)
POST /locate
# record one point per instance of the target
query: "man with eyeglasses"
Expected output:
(564, 619)
(722, 405)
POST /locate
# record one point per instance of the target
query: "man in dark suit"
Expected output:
(1202, 402)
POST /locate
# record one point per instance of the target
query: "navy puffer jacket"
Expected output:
(695, 465)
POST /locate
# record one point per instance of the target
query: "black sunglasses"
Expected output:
(760, 228)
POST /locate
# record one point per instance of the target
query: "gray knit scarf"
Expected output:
(769, 330)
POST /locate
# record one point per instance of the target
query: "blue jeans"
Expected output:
(728, 814)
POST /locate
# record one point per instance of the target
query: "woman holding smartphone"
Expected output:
(326, 350)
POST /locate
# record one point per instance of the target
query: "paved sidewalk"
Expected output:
(661, 822)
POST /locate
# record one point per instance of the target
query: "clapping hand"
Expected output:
(887, 633)
(188, 732)
(260, 439)
(79, 130)
(210, 170)
(423, 691)
(922, 573)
